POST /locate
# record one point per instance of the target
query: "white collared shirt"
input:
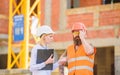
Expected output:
(35, 68)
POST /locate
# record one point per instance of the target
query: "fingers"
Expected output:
(62, 60)
(82, 34)
(50, 59)
(51, 56)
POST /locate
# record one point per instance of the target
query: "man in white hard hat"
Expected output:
(45, 33)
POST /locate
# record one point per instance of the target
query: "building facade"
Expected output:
(101, 17)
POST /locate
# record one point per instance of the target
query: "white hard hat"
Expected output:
(45, 29)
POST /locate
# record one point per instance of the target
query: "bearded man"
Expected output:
(80, 55)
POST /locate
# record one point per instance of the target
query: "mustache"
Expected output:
(77, 40)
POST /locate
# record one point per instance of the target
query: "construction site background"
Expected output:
(101, 17)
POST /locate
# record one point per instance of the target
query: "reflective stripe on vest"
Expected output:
(81, 58)
(80, 68)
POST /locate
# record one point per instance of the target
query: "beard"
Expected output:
(77, 41)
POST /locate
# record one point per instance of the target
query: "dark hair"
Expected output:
(42, 35)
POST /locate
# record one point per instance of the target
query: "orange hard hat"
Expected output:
(78, 26)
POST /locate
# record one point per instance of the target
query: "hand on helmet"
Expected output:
(82, 34)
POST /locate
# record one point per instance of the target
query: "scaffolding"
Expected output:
(27, 8)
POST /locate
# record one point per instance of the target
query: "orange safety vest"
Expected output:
(79, 63)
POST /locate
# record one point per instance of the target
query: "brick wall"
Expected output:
(111, 17)
(4, 7)
(101, 21)
(103, 33)
(84, 3)
(86, 18)
(119, 32)
(3, 26)
(42, 12)
(63, 37)
(4, 4)
(55, 14)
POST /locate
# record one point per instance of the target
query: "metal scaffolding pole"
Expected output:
(21, 58)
